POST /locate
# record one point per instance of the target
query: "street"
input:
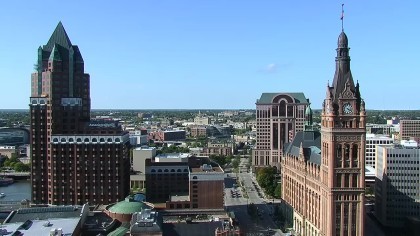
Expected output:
(238, 198)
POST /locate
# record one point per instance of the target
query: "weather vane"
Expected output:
(342, 17)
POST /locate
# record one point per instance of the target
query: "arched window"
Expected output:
(102, 140)
(179, 170)
(282, 108)
(339, 152)
(153, 171)
(159, 170)
(172, 170)
(86, 140)
(55, 140)
(195, 177)
(355, 155)
(109, 140)
(166, 170)
(117, 140)
(94, 140)
(71, 140)
(63, 140)
(79, 140)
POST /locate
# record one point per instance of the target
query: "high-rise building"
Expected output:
(279, 116)
(397, 190)
(323, 172)
(75, 160)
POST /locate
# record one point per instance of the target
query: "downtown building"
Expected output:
(372, 142)
(182, 181)
(397, 190)
(323, 172)
(75, 159)
(279, 117)
(410, 129)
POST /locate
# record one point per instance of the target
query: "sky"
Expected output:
(216, 54)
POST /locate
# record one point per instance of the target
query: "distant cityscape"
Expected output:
(282, 168)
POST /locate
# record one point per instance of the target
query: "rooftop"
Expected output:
(173, 155)
(44, 213)
(311, 143)
(267, 98)
(41, 227)
(180, 198)
(206, 168)
(128, 206)
(193, 229)
(146, 148)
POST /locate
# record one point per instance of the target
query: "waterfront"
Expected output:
(17, 191)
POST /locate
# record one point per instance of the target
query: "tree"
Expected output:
(277, 191)
(20, 167)
(266, 178)
(236, 162)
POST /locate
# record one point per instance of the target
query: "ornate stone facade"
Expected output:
(323, 172)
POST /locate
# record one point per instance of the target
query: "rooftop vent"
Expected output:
(207, 167)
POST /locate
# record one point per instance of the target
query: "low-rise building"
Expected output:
(7, 151)
(184, 182)
(138, 167)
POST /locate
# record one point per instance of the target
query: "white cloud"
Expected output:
(271, 68)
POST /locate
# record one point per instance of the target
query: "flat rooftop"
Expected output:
(44, 213)
(180, 198)
(42, 227)
(201, 170)
(173, 155)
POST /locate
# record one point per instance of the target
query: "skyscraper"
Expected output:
(75, 160)
(279, 116)
(323, 172)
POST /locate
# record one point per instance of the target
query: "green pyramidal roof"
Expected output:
(59, 37)
(55, 54)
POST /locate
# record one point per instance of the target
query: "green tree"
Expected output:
(266, 178)
(19, 166)
(277, 191)
(236, 162)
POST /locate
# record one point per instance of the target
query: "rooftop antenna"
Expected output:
(342, 17)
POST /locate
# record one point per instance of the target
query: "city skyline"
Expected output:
(190, 55)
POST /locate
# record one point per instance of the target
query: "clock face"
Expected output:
(347, 108)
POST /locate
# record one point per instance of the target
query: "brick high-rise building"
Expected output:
(75, 160)
(323, 173)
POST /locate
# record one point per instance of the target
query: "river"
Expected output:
(17, 191)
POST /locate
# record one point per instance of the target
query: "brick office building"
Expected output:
(75, 160)
(184, 182)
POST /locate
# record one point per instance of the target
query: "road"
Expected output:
(238, 198)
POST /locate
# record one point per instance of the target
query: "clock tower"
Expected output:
(343, 134)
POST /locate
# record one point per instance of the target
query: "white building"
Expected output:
(372, 141)
(397, 188)
(138, 176)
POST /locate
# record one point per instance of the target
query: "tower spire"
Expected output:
(342, 17)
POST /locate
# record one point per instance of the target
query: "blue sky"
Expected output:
(219, 54)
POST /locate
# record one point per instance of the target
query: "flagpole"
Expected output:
(342, 17)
